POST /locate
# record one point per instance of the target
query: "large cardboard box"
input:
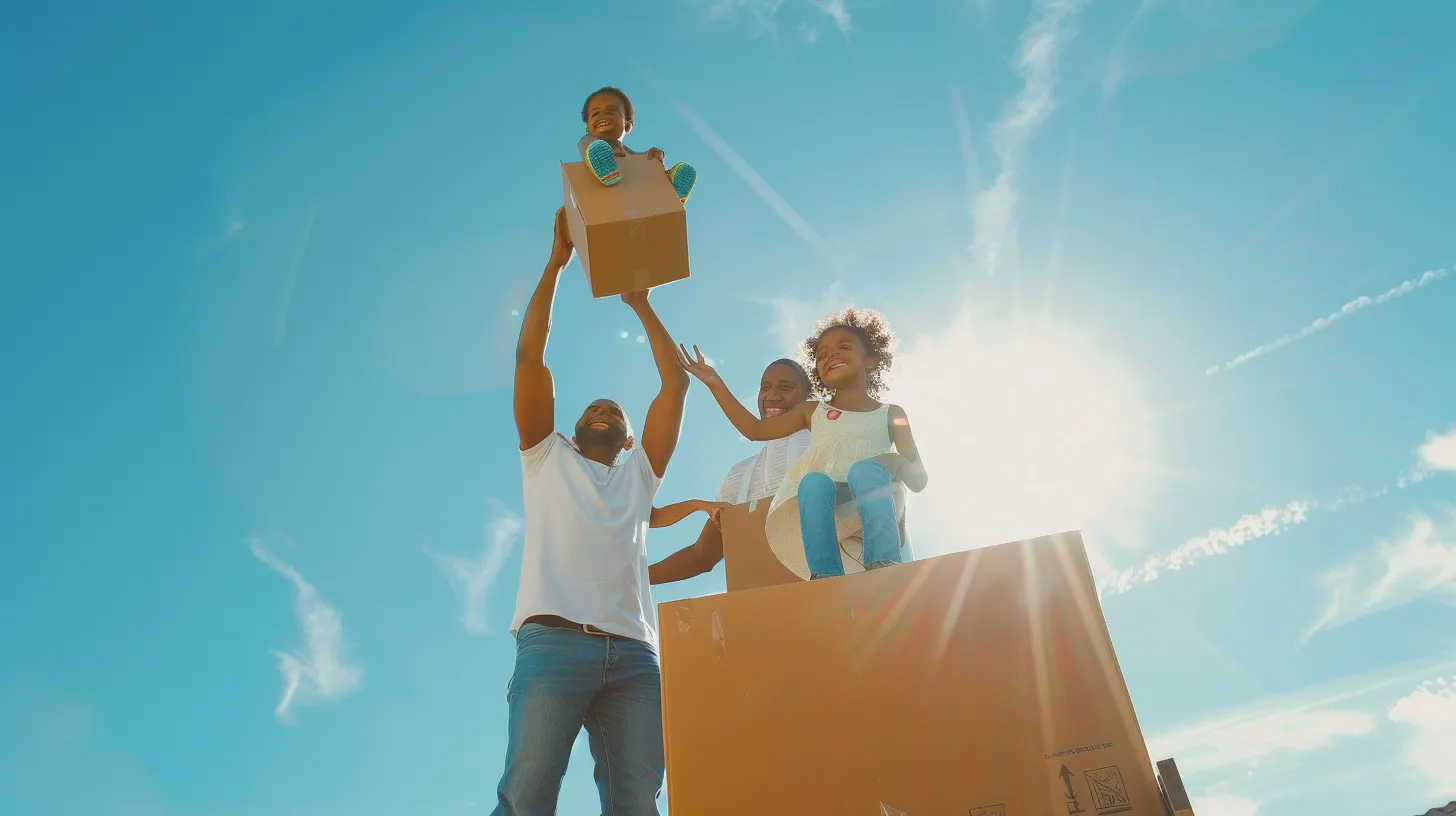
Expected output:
(748, 561)
(980, 683)
(630, 236)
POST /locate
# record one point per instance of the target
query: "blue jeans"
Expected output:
(565, 679)
(869, 487)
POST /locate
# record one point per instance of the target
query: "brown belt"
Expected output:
(557, 622)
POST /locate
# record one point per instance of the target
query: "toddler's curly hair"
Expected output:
(872, 329)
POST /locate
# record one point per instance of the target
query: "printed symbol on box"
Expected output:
(1109, 792)
(988, 810)
(1072, 805)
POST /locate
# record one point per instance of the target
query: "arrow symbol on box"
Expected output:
(1066, 776)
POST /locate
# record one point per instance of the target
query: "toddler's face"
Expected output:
(605, 118)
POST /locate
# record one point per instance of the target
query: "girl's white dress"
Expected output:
(839, 438)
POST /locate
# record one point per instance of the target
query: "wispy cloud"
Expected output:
(1357, 305)
(1275, 519)
(763, 15)
(1429, 713)
(290, 282)
(837, 12)
(1224, 804)
(1042, 42)
(1229, 44)
(472, 578)
(1270, 521)
(320, 672)
(756, 182)
(794, 319)
(1334, 734)
(1439, 451)
(1419, 563)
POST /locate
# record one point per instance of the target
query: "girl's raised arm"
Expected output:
(753, 428)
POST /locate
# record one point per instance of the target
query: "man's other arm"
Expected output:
(664, 416)
(695, 559)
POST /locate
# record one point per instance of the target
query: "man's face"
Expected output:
(780, 390)
(603, 424)
(606, 117)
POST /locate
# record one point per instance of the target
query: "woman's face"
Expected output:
(780, 390)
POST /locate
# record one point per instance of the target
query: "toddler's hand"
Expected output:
(654, 153)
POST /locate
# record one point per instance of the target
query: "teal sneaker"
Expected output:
(683, 176)
(603, 163)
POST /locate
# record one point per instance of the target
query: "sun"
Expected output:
(1025, 431)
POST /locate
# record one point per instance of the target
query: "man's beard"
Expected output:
(612, 437)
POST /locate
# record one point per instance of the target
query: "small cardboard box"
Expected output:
(980, 683)
(630, 236)
(748, 561)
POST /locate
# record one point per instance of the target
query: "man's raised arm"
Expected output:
(664, 416)
(535, 393)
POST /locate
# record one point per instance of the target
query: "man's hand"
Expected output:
(713, 508)
(654, 153)
(561, 248)
(698, 367)
(635, 299)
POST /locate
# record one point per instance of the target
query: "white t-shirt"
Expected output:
(585, 551)
(768, 467)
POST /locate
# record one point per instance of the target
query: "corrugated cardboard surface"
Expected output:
(630, 236)
(981, 682)
(749, 563)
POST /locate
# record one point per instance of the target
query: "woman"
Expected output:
(784, 385)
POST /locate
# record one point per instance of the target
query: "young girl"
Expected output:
(858, 447)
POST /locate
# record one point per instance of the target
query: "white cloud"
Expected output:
(1244, 739)
(994, 213)
(472, 578)
(794, 319)
(1429, 715)
(763, 14)
(320, 672)
(1224, 805)
(1439, 451)
(837, 12)
(1422, 562)
(1358, 304)
(1270, 521)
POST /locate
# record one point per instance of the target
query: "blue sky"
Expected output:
(1146, 260)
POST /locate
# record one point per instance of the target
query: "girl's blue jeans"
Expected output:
(869, 487)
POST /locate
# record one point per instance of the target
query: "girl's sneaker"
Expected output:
(683, 176)
(603, 163)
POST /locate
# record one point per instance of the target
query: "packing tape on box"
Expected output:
(640, 278)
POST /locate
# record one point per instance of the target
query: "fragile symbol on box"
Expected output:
(1109, 792)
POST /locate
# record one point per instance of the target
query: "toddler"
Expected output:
(608, 117)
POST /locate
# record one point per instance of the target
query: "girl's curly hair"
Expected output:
(872, 330)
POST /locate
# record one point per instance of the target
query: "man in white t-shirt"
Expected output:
(783, 386)
(585, 626)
